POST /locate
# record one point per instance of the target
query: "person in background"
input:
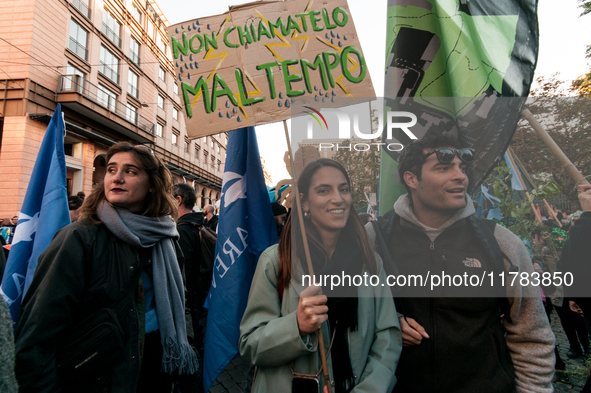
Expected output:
(81, 195)
(124, 240)
(365, 218)
(74, 203)
(211, 219)
(280, 214)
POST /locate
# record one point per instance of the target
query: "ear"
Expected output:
(178, 198)
(304, 203)
(411, 180)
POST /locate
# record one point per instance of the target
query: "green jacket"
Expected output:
(269, 336)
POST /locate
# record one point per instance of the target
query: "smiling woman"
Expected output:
(282, 317)
(115, 271)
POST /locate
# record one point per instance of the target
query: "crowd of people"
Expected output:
(117, 301)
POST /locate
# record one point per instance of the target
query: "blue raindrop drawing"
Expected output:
(196, 65)
(182, 70)
(320, 92)
(316, 98)
(332, 34)
(340, 45)
(281, 96)
(188, 76)
(334, 93)
(227, 104)
(176, 30)
(191, 65)
(234, 111)
(315, 88)
(239, 119)
(190, 57)
(220, 114)
(189, 28)
(287, 104)
(339, 36)
(228, 115)
(345, 37)
(180, 78)
(199, 30)
(182, 58)
(279, 104)
(183, 27)
(332, 41)
(198, 23)
(327, 36)
(208, 27)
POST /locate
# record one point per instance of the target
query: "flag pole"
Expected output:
(570, 168)
(307, 252)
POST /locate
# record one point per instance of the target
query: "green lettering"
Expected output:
(176, 46)
(213, 40)
(330, 65)
(303, 19)
(290, 78)
(344, 16)
(226, 42)
(345, 64)
(244, 34)
(326, 21)
(314, 20)
(270, 79)
(243, 94)
(224, 91)
(201, 85)
(292, 25)
(277, 25)
(305, 64)
(263, 31)
(253, 33)
(193, 50)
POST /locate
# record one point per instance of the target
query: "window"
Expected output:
(174, 139)
(111, 28)
(219, 165)
(160, 43)
(82, 6)
(187, 143)
(132, 84)
(107, 98)
(160, 101)
(131, 114)
(162, 73)
(135, 12)
(134, 51)
(78, 40)
(159, 129)
(73, 80)
(175, 114)
(211, 142)
(197, 151)
(176, 89)
(217, 149)
(109, 65)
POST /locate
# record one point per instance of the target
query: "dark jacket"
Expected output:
(466, 349)
(575, 260)
(80, 271)
(213, 223)
(188, 228)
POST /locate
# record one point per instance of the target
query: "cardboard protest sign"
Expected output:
(248, 65)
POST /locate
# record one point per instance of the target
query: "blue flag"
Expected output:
(246, 228)
(46, 202)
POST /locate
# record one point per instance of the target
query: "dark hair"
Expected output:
(81, 195)
(292, 232)
(365, 218)
(74, 202)
(187, 194)
(412, 159)
(158, 203)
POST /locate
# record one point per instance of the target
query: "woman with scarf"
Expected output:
(279, 330)
(124, 246)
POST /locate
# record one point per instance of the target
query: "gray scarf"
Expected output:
(159, 233)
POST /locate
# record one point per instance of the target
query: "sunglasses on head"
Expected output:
(446, 155)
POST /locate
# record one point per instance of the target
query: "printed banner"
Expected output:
(246, 66)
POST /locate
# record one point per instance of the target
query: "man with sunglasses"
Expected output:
(459, 339)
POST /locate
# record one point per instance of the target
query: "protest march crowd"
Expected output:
(136, 294)
(117, 300)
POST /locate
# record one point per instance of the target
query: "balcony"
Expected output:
(78, 94)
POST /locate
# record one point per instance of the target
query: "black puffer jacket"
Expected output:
(80, 272)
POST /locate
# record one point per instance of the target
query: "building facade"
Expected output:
(108, 63)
